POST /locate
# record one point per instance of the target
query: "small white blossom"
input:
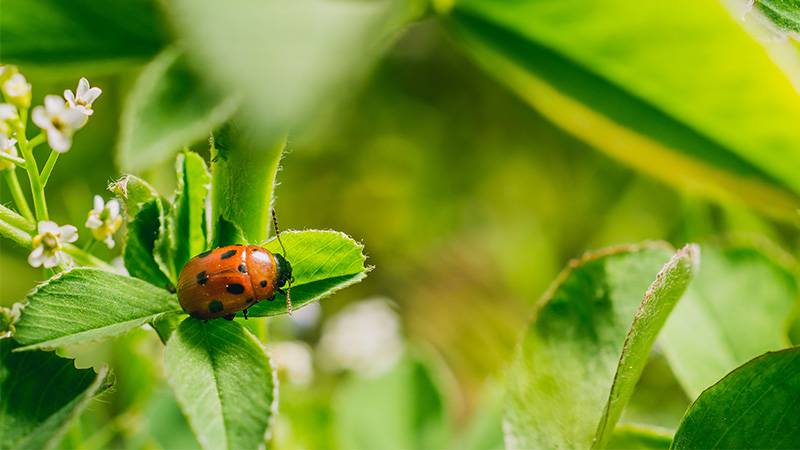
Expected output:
(59, 122)
(8, 147)
(363, 337)
(47, 245)
(83, 98)
(104, 220)
(8, 114)
(17, 90)
(293, 360)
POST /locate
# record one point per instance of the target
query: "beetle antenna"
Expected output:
(278, 231)
(289, 297)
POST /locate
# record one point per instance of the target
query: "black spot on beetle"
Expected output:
(242, 268)
(202, 278)
(234, 288)
(263, 283)
(215, 306)
(227, 254)
(204, 254)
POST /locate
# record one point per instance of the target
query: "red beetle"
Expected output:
(226, 280)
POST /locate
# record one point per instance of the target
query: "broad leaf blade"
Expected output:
(188, 222)
(600, 76)
(290, 57)
(323, 262)
(737, 288)
(785, 14)
(140, 245)
(134, 193)
(89, 304)
(169, 107)
(41, 394)
(223, 381)
(80, 32)
(585, 350)
(755, 406)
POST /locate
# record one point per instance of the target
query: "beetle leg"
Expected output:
(229, 316)
(280, 291)
(245, 314)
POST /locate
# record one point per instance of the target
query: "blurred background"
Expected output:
(469, 202)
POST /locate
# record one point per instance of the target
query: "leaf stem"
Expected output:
(36, 141)
(48, 167)
(13, 233)
(39, 201)
(17, 194)
(11, 217)
(87, 259)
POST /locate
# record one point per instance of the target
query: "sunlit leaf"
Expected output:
(323, 262)
(584, 351)
(639, 437)
(737, 288)
(597, 69)
(88, 304)
(169, 107)
(41, 394)
(188, 221)
(755, 406)
(223, 381)
(140, 245)
(290, 57)
(783, 13)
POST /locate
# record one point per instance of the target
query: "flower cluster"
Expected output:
(58, 118)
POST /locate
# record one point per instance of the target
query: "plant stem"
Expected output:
(15, 234)
(17, 194)
(83, 258)
(15, 159)
(11, 217)
(39, 201)
(37, 140)
(48, 167)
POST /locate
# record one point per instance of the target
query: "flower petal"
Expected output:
(74, 118)
(7, 111)
(98, 204)
(59, 141)
(68, 234)
(69, 97)
(109, 241)
(92, 95)
(51, 260)
(35, 259)
(54, 104)
(83, 87)
(93, 222)
(113, 207)
(41, 118)
(47, 226)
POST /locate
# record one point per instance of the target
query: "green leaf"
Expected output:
(80, 32)
(604, 78)
(134, 193)
(140, 245)
(583, 353)
(785, 14)
(40, 394)
(402, 409)
(244, 174)
(755, 406)
(639, 437)
(89, 304)
(737, 288)
(223, 381)
(187, 221)
(290, 57)
(168, 108)
(323, 262)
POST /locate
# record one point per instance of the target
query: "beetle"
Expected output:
(226, 280)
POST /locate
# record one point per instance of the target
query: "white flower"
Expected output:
(17, 90)
(8, 114)
(47, 245)
(293, 359)
(9, 147)
(84, 97)
(363, 337)
(59, 121)
(104, 220)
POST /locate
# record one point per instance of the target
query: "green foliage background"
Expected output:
(456, 158)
